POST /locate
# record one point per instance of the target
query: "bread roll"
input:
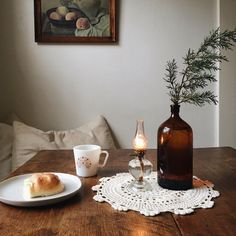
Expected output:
(42, 184)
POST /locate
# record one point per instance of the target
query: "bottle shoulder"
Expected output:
(175, 123)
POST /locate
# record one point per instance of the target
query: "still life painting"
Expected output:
(62, 21)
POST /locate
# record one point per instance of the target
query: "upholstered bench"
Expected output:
(20, 142)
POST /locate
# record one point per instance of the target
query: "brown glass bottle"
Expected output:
(175, 153)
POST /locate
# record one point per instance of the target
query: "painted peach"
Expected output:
(82, 23)
(55, 16)
(62, 11)
(71, 16)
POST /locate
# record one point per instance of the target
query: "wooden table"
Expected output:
(81, 215)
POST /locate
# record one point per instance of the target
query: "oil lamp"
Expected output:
(140, 167)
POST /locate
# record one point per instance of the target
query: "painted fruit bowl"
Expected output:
(65, 19)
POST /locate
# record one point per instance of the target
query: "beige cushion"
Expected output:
(6, 139)
(28, 140)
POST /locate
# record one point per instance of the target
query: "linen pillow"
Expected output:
(28, 141)
(6, 140)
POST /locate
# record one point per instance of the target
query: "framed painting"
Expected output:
(75, 21)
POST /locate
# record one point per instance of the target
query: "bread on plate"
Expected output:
(42, 184)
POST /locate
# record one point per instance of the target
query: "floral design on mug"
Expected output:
(84, 161)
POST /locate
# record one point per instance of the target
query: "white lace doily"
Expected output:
(117, 192)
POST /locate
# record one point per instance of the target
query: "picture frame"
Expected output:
(75, 21)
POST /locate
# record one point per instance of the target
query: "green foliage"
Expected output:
(199, 70)
(66, 3)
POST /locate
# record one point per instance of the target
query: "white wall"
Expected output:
(228, 81)
(63, 86)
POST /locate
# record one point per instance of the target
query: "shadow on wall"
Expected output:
(7, 58)
(22, 64)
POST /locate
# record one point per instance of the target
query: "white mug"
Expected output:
(87, 159)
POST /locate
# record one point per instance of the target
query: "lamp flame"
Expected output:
(140, 141)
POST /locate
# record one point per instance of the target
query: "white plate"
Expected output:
(11, 191)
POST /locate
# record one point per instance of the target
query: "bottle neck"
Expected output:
(174, 108)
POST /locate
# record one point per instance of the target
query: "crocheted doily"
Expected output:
(117, 192)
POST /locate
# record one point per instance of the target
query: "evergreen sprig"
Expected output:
(199, 70)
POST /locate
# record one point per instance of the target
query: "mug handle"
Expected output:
(105, 160)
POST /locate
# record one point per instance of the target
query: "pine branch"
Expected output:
(199, 99)
(199, 71)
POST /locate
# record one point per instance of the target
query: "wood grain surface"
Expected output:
(81, 215)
